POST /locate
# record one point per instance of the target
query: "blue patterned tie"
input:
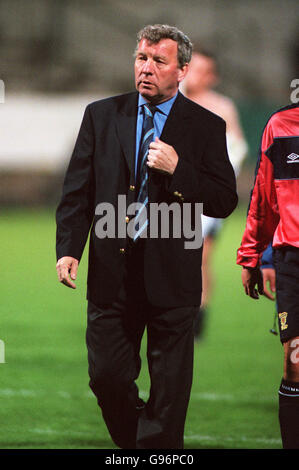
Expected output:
(147, 136)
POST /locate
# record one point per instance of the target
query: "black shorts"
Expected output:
(286, 263)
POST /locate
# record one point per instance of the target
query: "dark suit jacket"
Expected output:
(102, 167)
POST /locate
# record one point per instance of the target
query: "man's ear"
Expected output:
(183, 72)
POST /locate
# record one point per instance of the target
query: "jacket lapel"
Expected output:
(178, 118)
(126, 127)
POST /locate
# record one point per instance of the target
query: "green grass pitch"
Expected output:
(44, 394)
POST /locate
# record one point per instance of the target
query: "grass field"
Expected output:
(44, 394)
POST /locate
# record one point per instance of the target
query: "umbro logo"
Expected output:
(293, 158)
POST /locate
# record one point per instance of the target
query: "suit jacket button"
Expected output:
(122, 250)
(127, 219)
(132, 187)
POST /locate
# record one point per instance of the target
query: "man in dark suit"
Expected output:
(151, 146)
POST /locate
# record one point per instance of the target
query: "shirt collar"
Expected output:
(164, 107)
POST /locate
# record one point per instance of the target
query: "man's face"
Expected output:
(157, 74)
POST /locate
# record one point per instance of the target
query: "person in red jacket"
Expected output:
(273, 216)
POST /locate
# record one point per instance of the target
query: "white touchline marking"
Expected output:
(58, 432)
(261, 440)
(213, 396)
(63, 394)
(10, 392)
(192, 437)
(223, 397)
(235, 398)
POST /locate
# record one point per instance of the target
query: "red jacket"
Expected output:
(273, 211)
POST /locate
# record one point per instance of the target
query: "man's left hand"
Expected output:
(252, 277)
(162, 156)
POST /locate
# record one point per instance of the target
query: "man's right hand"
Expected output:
(269, 278)
(67, 268)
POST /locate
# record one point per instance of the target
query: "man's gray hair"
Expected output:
(154, 34)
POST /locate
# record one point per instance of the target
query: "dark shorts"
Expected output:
(286, 263)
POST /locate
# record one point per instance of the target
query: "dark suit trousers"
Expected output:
(114, 334)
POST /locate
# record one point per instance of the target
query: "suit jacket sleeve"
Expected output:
(210, 180)
(75, 212)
